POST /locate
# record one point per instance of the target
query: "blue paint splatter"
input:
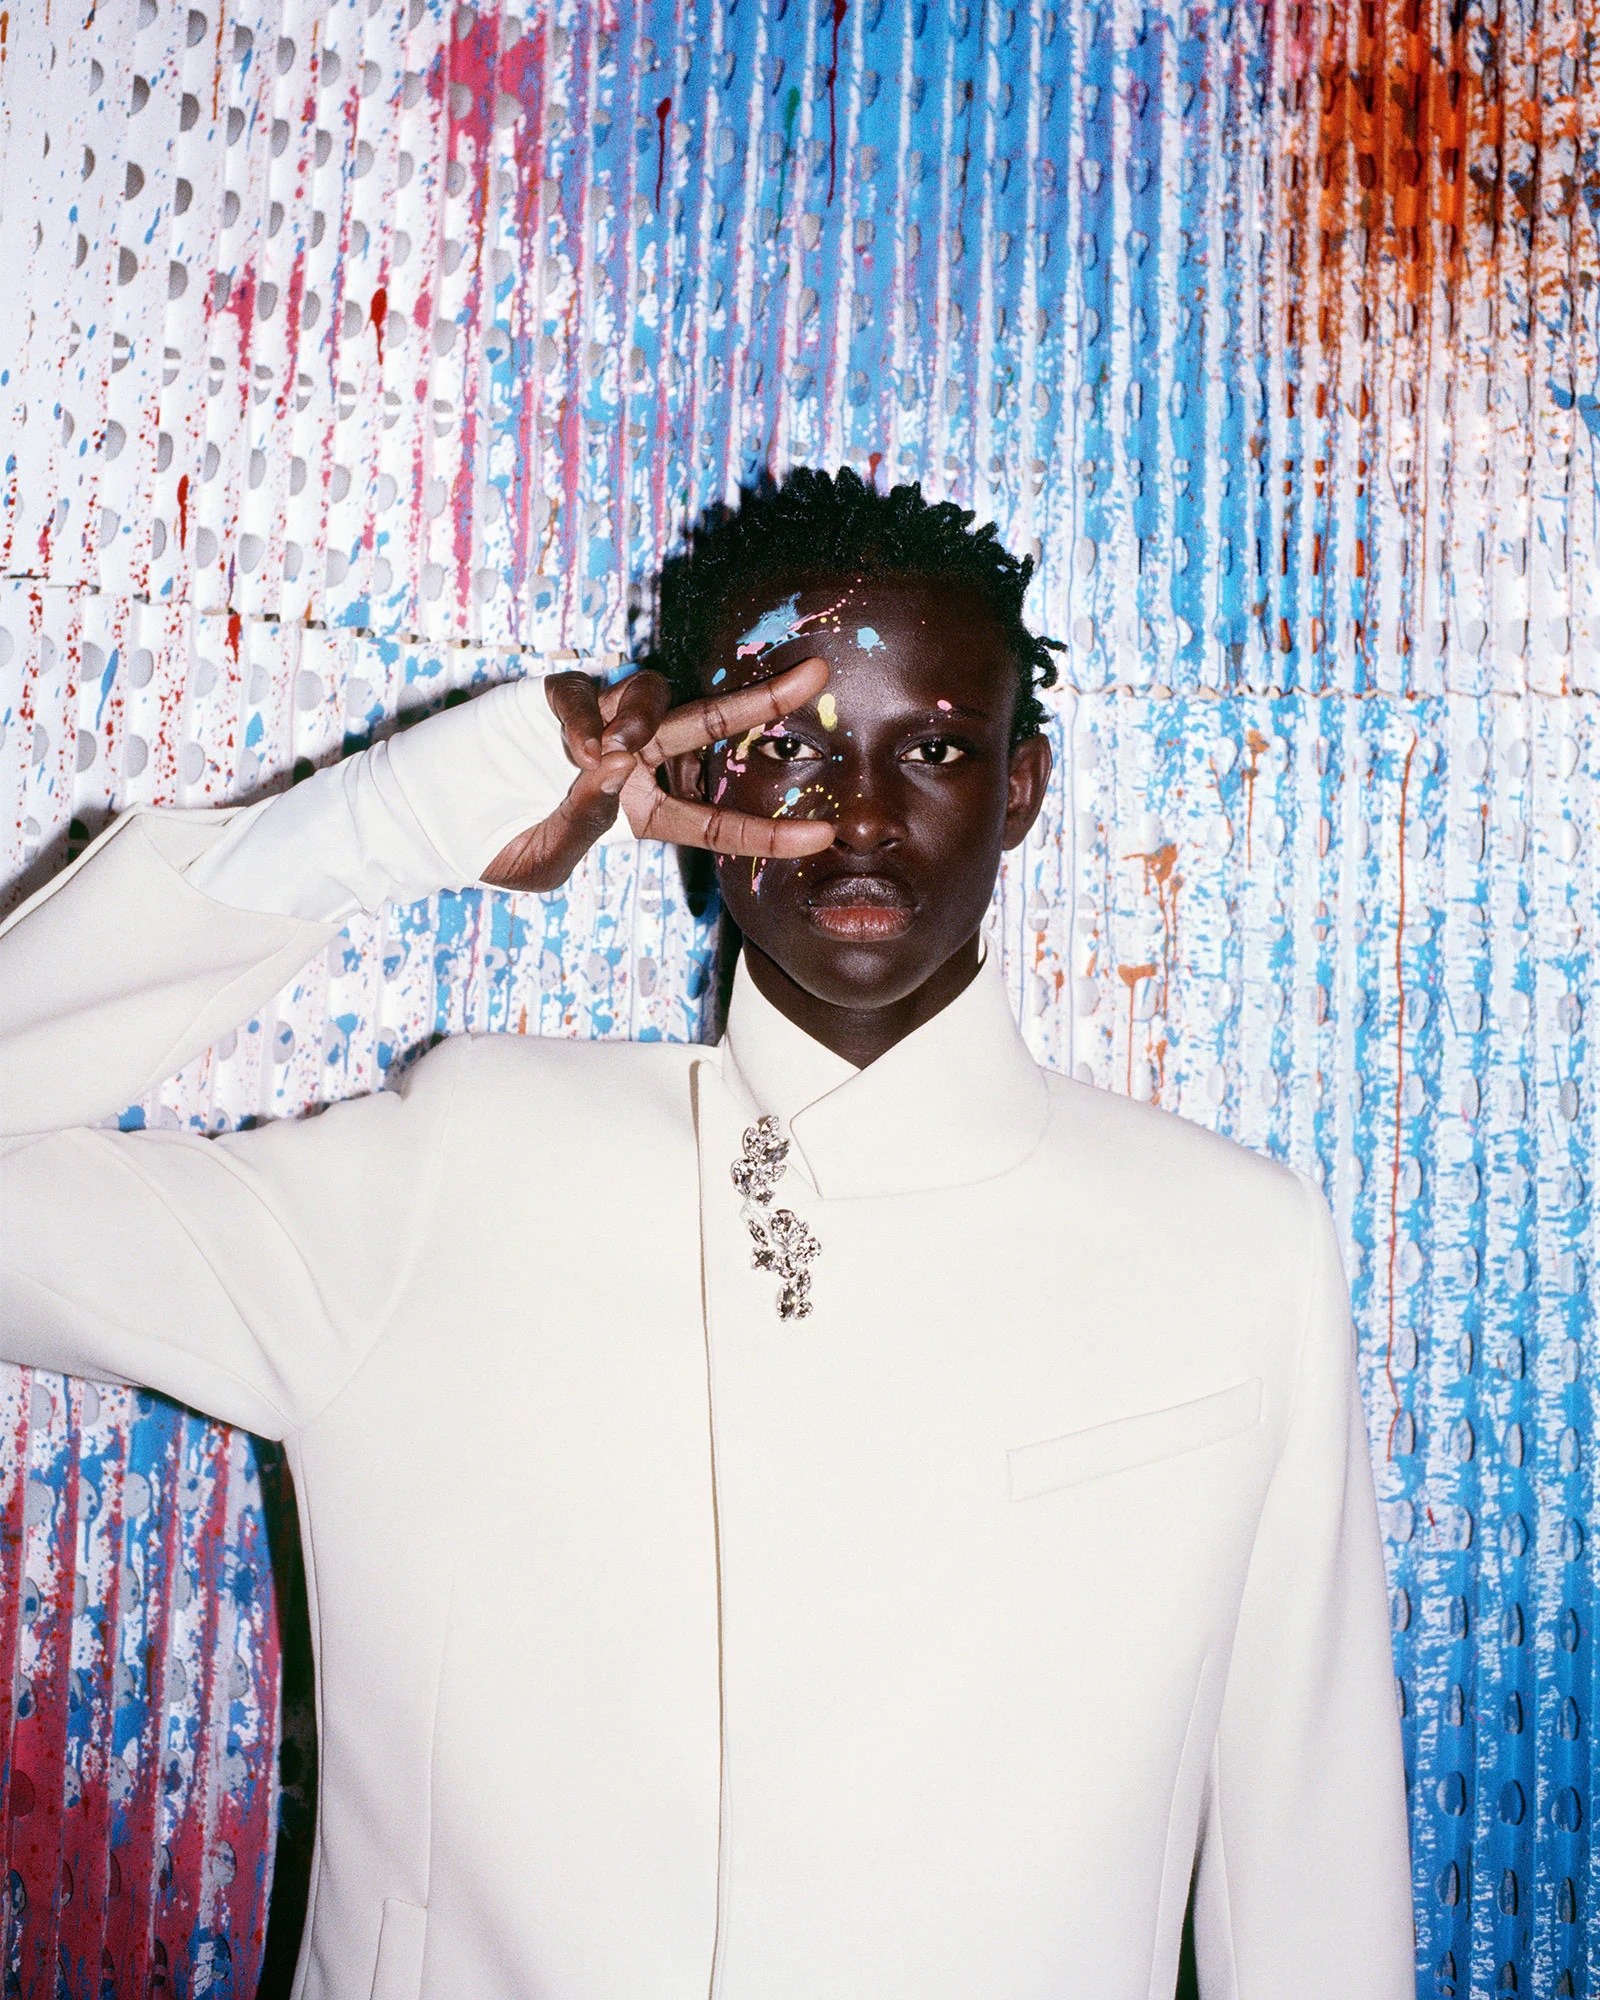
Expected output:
(867, 639)
(774, 626)
(106, 679)
(792, 796)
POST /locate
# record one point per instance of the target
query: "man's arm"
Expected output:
(173, 926)
(1304, 1883)
(248, 1275)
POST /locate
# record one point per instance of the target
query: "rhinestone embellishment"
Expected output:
(779, 1241)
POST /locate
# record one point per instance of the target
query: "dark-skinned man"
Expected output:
(839, 1513)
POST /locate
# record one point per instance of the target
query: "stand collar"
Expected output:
(960, 1099)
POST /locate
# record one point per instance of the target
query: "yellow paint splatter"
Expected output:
(827, 714)
(745, 741)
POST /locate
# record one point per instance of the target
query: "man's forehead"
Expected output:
(853, 618)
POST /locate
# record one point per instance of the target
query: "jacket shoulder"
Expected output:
(530, 1071)
(1177, 1173)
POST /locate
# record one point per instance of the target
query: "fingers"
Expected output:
(544, 856)
(576, 704)
(655, 815)
(633, 710)
(716, 717)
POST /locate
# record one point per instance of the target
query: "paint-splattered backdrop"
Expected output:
(357, 352)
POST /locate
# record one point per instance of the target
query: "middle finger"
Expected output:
(716, 717)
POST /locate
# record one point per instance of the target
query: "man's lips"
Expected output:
(864, 908)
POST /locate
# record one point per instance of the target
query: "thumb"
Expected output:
(543, 856)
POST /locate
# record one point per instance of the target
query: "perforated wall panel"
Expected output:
(354, 353)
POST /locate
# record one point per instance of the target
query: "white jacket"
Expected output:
(917, 1650)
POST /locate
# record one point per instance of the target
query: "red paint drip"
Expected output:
(840, 9)
(235, 628)
(380, 312)
(874, 460)
(183, 512)
(1399, 1086)
(663, 114)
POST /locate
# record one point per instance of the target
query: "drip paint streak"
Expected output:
(663, 117)
(1162, 878)
(1255, 742)
(840, 9)
(1399, 1082)
(380, 312)
(1130, 976)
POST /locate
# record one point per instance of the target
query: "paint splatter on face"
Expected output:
(780, 624)
(772, 628)
(873, 756)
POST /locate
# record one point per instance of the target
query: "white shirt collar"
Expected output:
(960, 1099)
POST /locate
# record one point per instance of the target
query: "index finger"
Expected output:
(718, 716)
(656, 815)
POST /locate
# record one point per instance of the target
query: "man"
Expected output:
(841, 1513)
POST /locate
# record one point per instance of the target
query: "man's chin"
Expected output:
(855, 972)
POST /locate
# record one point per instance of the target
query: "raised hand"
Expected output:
(619, 737)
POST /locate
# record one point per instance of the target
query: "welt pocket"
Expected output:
(398, 1972)
(1126, 1442)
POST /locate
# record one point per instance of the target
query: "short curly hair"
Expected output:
(815, 523)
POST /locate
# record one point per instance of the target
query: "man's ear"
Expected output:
(686, 774)
(1026, 783)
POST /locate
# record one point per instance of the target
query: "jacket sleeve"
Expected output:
(246, 1275)
(174, 926)
(1303, 1882)
(249, 1275)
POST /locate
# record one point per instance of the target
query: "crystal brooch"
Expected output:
(779, 1241)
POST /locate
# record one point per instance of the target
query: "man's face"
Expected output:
(908, 753)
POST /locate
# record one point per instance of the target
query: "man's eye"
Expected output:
(785, 749)
(937, 750)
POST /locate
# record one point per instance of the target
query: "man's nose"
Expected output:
(865, 818)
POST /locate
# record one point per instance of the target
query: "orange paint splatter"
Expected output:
(1130, 975)
(1161, 876)
(1255, 743)
(1399, 1084)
